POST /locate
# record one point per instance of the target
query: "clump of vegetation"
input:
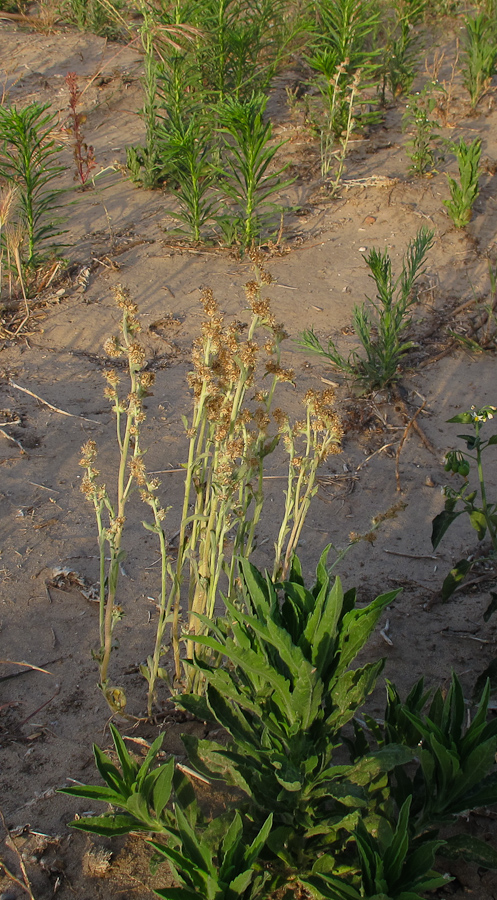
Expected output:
(369, 825)
(482, 514)
(480, 54)
(381, 325)
(230, 437)
(423, 130)
(29, 163)
(464, 193)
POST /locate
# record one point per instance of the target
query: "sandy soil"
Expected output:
(120, 234)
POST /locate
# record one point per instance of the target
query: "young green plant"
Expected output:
(247, 157)
(421, 145)
(389, 316)
(29, 164)
(464, 193)
(480, 55)
(287, 698)
(187, 159)
(482, 514)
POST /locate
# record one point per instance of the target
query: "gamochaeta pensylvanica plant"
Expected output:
(346, 826)
(110, 505)
(482, 514)
(233, 428)
(230, 438)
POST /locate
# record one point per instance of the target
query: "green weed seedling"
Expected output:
(456, 768)
(140, 791)
(244, 42)
(482, 514)
(400, 59)
(421, 145)
(388, 316)
(217, 861)
(464, 193)
(391, 866)
(29, 163)
(98, 16)
(480, 55)
(220, 863)
(247, 156)
(187, 159)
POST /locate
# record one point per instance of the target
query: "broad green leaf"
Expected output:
(128, 766)
(93, 792)
(351, 795)
(350, 692)
(184, 867)
(253, 852)
(483, 794)
(257, 587)
(232, 719)
(231, 844)
(161, 791)
(454, 578)
(176, 893)
(476, 767)
(492, 440)
(240, 884)
(471, 849)
(137, 806)
(109, 772)
(478, 522)
(461, 419)
(357, 626)
(108, 826)
(194, 849)
(291, 786)
(213, 760)
(252, 662)
(447, 767)
(440, 525)
(149, 758)
(395, 854)
(321, 630)
(307, 696)
(330, 887)
(196, 705)
(383, 760)
(457, 710)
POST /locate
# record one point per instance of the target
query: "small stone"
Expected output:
(362, 249)
(370, 220)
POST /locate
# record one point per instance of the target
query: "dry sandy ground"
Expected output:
(120, 234)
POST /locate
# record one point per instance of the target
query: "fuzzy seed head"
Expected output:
(113, 348)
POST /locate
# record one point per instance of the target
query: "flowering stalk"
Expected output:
(129, 415)
(83, 153)
(228, 444)
(321, 434)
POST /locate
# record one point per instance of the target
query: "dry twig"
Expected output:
(50, 405)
